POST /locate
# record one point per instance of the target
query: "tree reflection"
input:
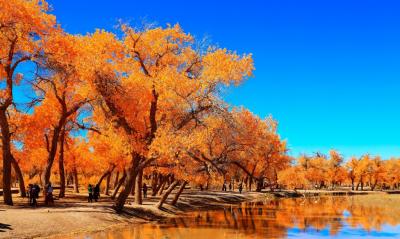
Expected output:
(273, 218)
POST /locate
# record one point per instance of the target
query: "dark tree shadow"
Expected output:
(4, 227)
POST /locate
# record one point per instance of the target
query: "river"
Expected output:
(362, 216)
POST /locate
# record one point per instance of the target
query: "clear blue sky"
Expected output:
(328, 71)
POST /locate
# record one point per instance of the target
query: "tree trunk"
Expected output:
(76, 182)
(107, 188)
(116, 180)
(61, 164)
(374, 185)
(138, 188)
(129, 181)
(7, 157)
(52, 153)
(119, 184)
(260, 182)
(182, 187)
(105, 174)
(352, 184)
(154, 180)
(161, 181)
(18, 173)
(165, 195)
(161, 189)
(134, 186)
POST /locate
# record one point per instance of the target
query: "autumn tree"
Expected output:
(165, 83)
(23, 27)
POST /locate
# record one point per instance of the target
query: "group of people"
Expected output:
(33, 194)
(94, 193)
(224, 188)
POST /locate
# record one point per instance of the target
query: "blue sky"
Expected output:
(328, 71)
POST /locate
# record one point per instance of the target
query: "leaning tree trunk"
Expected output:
(61, 165)
(18, 172)
(162, 187)
(107, 188)
(129, 181)
(118, 186)
(105, 174)
(182, 187)
(138, 188)
(165, 195)
(7, 157)
(76, 180)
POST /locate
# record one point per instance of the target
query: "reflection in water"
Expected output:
(342, 217)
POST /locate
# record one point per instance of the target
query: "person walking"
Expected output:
(240, 187)
(90, 192)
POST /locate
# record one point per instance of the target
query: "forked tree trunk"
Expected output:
(52, 152)
(118, 186)
(138, 188)
(129, 181)
(182, 187)
(7, 157)
(76, 180)
(18, 173)
(165, 195)
(61, 164)
(161, 181)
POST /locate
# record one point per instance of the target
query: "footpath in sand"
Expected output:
(73, 215)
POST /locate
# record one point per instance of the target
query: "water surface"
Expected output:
(364, 216)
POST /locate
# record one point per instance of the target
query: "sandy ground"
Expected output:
(73, 215)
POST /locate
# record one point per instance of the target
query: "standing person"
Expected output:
(49, 195)
(90, 191)
(96, 192)
(144, 190)
(35, 194)
(224, 186)
(29, 192)
(240, 187)
(230, 186)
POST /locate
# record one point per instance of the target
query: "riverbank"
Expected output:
(313, 193)
(73, 215)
